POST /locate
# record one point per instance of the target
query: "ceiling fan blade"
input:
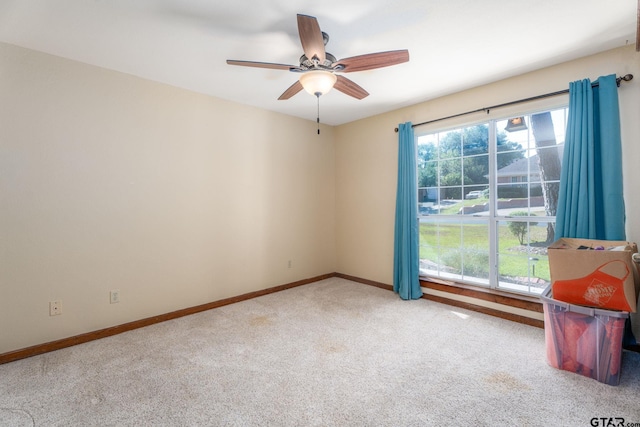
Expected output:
(293, 89)
(638, 28)
(348, 87)
(311, 37)
(373, 60)
(262, 65)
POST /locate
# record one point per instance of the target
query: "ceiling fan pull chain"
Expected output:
(318, 116)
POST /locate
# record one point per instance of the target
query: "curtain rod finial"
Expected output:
(626, 78)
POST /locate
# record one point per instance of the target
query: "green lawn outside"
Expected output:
(436, 241)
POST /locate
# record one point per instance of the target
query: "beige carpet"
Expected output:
(332, 353)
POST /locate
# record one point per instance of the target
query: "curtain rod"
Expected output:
(625, 78)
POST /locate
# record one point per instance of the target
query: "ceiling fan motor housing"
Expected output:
(311, 64)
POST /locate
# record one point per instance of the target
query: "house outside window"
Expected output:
(487, 202)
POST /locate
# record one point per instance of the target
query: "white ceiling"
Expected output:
(453, 44)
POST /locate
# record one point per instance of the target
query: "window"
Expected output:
(487, 202)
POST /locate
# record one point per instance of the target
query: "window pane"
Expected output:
(548, 177)
(480, 193)
(451, 198)
(450, 144)
(513, 164)
(439, 201)
(451, 172)
(454, 249)
(428, 174)
(522, 256)
(513, 191)
(436, 238)
(510, 139)
(476, 170)
(475, 140)
(428, 201)
(547, 128)
(427, 148)
(475, 252)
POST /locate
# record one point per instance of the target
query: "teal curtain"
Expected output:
(406, 263)
(590, 201)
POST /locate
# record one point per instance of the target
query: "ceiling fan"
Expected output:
(318, 68)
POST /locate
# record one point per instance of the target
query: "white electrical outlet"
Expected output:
(114, 296)
(55, 308)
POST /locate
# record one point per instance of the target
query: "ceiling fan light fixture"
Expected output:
(318, 82)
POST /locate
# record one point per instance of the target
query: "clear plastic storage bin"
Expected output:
(584, 340)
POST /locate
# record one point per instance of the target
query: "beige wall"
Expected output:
(108, 181)
(366, 154)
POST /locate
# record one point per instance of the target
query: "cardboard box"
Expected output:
(594, 273)
(587, 341)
